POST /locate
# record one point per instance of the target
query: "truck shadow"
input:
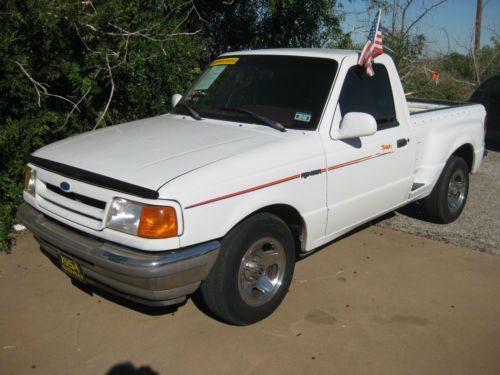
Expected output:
(197, 300)
(348, 234)
(143, 309)
(414, 210)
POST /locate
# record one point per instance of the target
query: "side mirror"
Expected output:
(355, 125)
(176, 98)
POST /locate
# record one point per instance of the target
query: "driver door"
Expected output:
(370, 175)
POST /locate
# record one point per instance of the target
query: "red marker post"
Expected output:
(435, 77)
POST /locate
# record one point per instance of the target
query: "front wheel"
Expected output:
(447, 199)
(253, 271)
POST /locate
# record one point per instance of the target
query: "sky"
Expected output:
(450, 27)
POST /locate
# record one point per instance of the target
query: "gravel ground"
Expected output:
(479, 225)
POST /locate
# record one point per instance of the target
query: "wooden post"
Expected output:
(477, 34)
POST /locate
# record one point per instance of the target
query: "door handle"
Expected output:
(403, 142)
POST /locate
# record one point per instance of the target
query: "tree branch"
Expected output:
(103, 113)
(83, 41)
(476, 68)
(140, 33)
(72, 110)
(42, 89)
(422, 15)
(490, 62)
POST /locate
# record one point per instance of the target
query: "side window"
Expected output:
(373, 95)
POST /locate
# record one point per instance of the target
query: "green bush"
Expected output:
(421, 85)
(72, 49)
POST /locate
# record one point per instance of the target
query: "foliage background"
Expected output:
(71, 66)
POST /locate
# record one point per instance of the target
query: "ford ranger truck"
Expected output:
(268, 156)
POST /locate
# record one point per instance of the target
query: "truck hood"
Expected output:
(153, 151)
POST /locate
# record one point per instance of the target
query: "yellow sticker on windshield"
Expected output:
(226, 61)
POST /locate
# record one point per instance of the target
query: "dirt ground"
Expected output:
(375, 302)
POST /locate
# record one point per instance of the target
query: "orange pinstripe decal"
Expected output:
(245, 191)
(349, 163)
(286, 179)
(359, 160)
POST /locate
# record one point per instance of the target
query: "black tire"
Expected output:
(447, 199)
(245, 286)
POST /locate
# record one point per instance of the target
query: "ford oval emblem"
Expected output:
(65, 186)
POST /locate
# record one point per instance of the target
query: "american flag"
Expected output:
(373, 46)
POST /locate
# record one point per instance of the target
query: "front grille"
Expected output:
(77, 197)
(73, 206)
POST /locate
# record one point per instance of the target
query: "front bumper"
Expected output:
(154, 279)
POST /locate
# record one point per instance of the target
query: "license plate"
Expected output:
(72, 268)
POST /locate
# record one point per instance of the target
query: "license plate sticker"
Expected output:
(72, 268)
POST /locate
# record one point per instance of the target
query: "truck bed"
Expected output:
(426, 105)
(434, 122)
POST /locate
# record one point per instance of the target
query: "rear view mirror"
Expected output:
(355, 125)
(175, 99)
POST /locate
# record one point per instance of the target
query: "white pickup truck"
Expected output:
(268, 156)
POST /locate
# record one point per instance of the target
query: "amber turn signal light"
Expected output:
(157, 222)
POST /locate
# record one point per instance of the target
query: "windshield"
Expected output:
(289, 90)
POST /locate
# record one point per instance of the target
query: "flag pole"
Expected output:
(373, 46)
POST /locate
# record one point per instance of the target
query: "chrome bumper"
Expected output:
(154, 279)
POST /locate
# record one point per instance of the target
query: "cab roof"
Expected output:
(331, 53)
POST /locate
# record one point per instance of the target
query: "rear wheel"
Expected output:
(447, 199)
(253, 271)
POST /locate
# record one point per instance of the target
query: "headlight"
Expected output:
(124, 215)
(142, 220)
(30, 181)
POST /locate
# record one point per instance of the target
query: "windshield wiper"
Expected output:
(266, 120)
(191, 111)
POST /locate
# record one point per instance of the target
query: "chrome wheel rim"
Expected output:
(456, 190)
(261, 271)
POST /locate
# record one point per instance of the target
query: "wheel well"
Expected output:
(466, 152)
(292, 218)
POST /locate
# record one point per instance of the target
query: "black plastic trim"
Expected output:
(416, 185)
(77, 197)
(94, 178)
(447, 103)
(450, 103)
(402, 142)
